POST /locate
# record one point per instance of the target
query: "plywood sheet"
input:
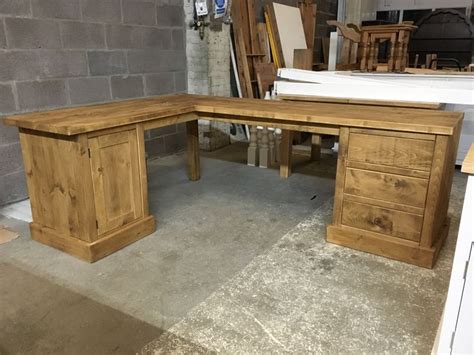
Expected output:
(290, 30)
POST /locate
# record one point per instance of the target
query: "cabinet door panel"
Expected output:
(116, 179)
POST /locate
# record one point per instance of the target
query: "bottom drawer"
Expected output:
(382, 220)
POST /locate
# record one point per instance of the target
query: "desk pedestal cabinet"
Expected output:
(87, 181)
(392, 193)
(88, 192)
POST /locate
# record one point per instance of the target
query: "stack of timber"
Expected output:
(246, 44)
(286, 39)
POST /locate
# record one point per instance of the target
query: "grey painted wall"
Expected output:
(56, 53)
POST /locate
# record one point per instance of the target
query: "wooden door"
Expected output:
(116, 179)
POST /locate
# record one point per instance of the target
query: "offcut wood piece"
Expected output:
(86, 171)
(303, 59)
(290, 30)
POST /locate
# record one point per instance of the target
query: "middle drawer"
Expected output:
(399, 189)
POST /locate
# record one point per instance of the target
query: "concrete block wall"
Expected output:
(56, 53)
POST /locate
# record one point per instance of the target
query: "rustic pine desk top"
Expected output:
(72, 121)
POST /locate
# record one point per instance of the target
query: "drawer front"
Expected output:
(386, 187)
(400, 152)
(382, 220)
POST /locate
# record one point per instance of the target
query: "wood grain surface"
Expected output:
(72, 121)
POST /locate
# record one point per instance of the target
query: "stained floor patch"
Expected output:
(40, 317)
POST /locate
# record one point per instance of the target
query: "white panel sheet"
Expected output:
(290, 30)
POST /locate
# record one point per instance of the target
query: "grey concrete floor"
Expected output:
(307, 296)
(208, 231)
(238, 264)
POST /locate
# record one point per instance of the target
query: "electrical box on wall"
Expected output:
(201, 7)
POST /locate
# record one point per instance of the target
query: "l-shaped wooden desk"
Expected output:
(87, 181)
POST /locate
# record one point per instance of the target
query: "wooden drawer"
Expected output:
(386, 187)
(384, 149)
(382, 220)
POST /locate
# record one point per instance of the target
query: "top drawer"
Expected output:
(381, 148)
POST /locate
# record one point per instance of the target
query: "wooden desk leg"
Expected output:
(399, 51)
(391, 56)
(316, 147)
(370, 61)
(364, 51)
(405, 52)
(194, 165)
(286, 148)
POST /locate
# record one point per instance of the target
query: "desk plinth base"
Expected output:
(93, 251)
(393, 248)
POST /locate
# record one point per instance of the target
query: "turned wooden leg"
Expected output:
(316, 147)
(286, 148)
(277, 145)
(252, 151)
(271, 146)
(194, 165)
(263, 150)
